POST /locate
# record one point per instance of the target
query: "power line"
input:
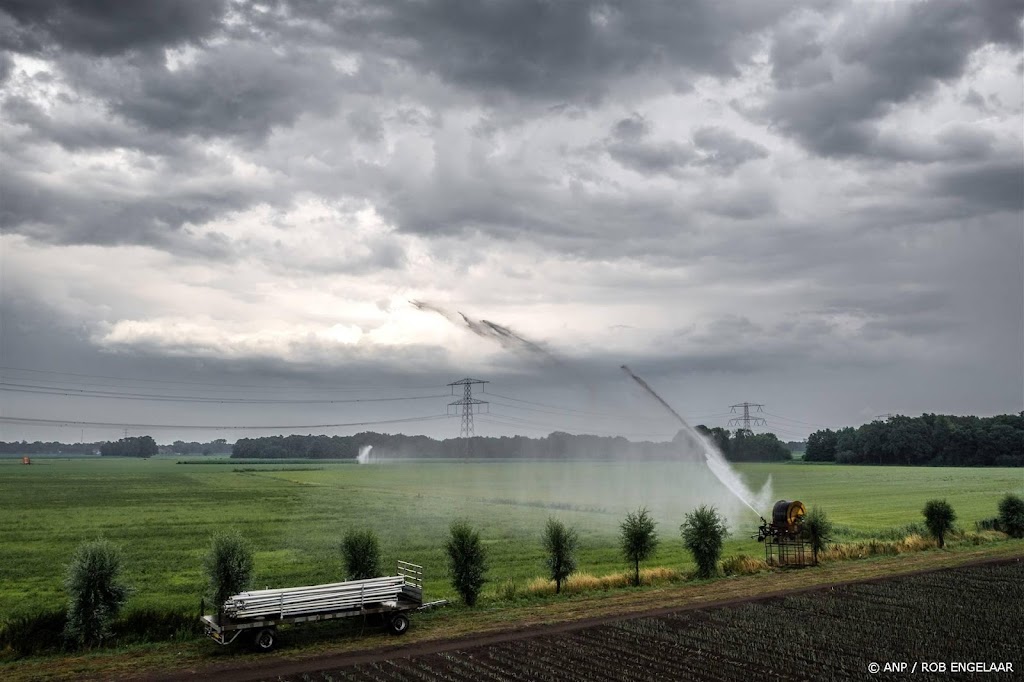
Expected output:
(491, 420)
(205, 383)
(123, 395)
(516, 421)
(796, 421)
(232, 427)
(554, 407)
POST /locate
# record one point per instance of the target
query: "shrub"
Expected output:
(36, 633)
(741, 564)
(361, 552)
(987, 524)
(560, 543)
(637, 539)
(507, 590)
(587, 582)
(818, 530)
(939, 517)
(1011, 515)
(467, 561)
(703, 532)
(229, 566)
(95, 591)
(154, 625)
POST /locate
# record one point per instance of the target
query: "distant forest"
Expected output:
(928, 440)
(132, 446)
(742, 446)
(931, 440)
(49, 448)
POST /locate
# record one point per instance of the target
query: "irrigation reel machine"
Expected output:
(784, 538)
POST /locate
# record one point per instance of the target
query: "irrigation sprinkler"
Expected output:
(783, 537)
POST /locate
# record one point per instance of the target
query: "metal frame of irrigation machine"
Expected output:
(262, 611)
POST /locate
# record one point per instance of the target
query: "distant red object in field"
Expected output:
(26, 460)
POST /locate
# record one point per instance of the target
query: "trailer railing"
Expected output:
(412, 573)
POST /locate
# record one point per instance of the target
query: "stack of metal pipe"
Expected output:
(291, 601)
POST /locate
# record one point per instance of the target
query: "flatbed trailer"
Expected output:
(261, 612)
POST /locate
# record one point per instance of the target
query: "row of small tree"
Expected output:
(97, 592)
(939, 517)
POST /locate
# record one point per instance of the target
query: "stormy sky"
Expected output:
(217, 213)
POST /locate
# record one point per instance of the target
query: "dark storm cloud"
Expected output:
(105, 27)
(631, 146)
(798, 58)
(446, 120)
(904, 50)
(724, 150)
(550, 50)
(985, 188)
(649, 157)
(6, 66)
(631, 129)
(67, 216)
(75, 133)
(236, 89)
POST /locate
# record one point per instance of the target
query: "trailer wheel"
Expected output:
(398, 624)
(264, 640)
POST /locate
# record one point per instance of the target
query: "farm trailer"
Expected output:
(260, 612)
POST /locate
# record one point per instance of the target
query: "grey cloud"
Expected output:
(725, 151)
(887, 313)
(957, 143)
(984, 188)
(366, 125)
(651, 158)
(551, 50)
(631, 147)
(66, 216)
(974, 98)
(742, 203)
(893, 303)
(632, 128)
(899, 54)
(6, 66)
(75, 133)
(237, 89)
(798, 59)
(105, 27)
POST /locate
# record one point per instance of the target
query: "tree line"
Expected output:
(747, 446)
(132, 446)
(220, 446)
(97, 592)
(929, 440)
(742, 446)
(49, 448)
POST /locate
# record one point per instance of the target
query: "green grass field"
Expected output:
(163, 513)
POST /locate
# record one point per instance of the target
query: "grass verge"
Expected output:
(313, 642)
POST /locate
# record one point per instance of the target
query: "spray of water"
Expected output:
(486, 329)
(714, 458)
(364, 455)
(716, 463)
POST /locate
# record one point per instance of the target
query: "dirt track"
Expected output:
(272, 668)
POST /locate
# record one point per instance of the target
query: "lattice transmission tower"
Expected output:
(746, 419)
(468, 406)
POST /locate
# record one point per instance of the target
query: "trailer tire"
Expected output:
(399, 624)
(264, 640)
